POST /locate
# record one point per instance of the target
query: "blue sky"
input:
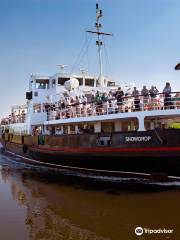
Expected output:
(36, 35)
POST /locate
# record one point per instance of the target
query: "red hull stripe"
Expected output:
(106, 149)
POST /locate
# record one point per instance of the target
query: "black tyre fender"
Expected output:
(25, 148)
(2, 150)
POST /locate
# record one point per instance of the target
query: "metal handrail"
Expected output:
(128, 104)
(138, 103)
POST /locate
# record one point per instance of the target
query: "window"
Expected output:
(65, 129)
(89, 82)
(46, 107)
(107, 127)
(53, 83)
(62, 80)
(37, 108)
(42, 83)
(111, 84)
(80, 81)
(72, 129)
(130, 125)
(36, 94)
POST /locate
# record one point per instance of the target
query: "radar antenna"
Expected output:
(62, 67)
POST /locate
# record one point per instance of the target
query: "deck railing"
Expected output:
(159, 101)
(55, 110)
(14, 119)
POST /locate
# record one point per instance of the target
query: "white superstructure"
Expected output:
(45, 90)
(65, 101)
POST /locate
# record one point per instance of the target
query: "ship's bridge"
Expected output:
(42, 90)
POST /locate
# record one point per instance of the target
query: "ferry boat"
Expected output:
(90, 124)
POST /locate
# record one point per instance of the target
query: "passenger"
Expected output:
(58, 131)
(77, 104)
(67, 101)
(98, 103)
(98, 97)
(177, 100)
(110, 95)
(47, 132)
(167, 95)
(84, 100)
(58, 115)
(104, 102)
(79, 130)
(114, 106)
(72, 107)
(62, 104)
(153, 92)
(93, 99)
(83, 105)
(104, 97)
(34, 132)
(110, 107)
(119, 97)
(145, 95)
(135, 94)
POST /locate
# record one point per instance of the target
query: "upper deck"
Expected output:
(139, 107)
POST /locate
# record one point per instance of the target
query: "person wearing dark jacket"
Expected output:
(145, 94)
(167, 95)
(119, 97)
(135, 94)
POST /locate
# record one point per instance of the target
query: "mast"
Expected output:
(99, 42)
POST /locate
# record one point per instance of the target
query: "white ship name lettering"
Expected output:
(138, 139)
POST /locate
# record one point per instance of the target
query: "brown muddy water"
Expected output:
(41, 204)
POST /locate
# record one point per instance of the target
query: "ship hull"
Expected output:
(156, 160)
(146, 156)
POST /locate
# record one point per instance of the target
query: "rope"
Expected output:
(107, 56)
(82, 52)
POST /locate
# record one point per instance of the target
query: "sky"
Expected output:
(36, 35)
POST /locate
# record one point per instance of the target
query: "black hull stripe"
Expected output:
(77, 168)
(135, 174)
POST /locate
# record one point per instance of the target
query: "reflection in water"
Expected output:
(50, 206)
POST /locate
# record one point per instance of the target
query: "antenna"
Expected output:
(83, 71)
(62, 67)
(99, 42)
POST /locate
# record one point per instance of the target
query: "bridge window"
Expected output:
(111, 84)
(42, 83)
(80, 81)
(36, 94)
(62, 80)
(37, 108)
(89, 82)
(53, 83)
